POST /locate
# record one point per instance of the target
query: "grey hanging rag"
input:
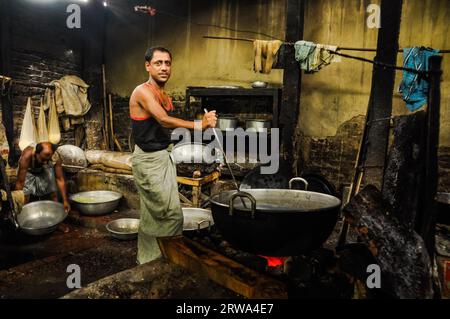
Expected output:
(313, 57)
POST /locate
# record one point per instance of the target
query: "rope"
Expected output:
(374, 62)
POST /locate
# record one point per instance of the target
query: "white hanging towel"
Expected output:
(42, 125)
(54, 133)
(28, 134)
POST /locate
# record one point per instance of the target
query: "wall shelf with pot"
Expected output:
(273, 95)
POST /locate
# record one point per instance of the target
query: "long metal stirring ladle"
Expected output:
(224, 156)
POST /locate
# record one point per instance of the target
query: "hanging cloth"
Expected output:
(42, 125)
(54, 133)
(265, 55)
(313, 57)
(28, 133)
(303, 54)
(323, 57)
(414, 88)
(71, 98)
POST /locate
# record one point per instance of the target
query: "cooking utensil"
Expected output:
(224, 156)
(197, 219)
(95, 203)
(318, 183)
(191, 157)
(259, 84)
(40, 218)
(225, 160)
(278, 223)
(227, 123)
(123, 228)
(195, 153)
(258, 125)
(256, 180)
(280, 180)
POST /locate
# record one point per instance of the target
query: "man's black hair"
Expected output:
(40, 147)
(149, 53)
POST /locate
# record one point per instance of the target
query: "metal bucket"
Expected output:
(258, 125)
(226, 123)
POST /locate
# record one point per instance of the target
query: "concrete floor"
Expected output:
(36, 267)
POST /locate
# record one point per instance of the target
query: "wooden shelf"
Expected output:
(207, 92)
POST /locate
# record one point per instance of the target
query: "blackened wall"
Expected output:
(42, 48)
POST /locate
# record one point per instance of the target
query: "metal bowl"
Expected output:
(259, 84)
(123, 228)
(95, 203)
(40, 218)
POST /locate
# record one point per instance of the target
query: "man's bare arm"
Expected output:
(149, 103)
(24, 164)
(61, 183)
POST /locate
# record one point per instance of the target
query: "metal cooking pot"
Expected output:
(40, 218)
(95, 203)
(275, 222)
(258, 125)
(226, 123)
(189, 153)
(196, 219)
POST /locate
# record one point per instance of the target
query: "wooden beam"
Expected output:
(380, 103)
(5, 35)
(431, 162)
(404, 264)
(290, 106)
(93, 59)
(198, 181)
(404, 172)
(249, 283)
(5, 69)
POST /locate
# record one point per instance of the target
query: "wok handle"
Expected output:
(246, 195)
(298, 179)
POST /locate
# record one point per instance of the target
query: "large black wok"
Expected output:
(275, 222)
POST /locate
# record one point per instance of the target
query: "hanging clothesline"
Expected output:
(290, 43)
(377, 63)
